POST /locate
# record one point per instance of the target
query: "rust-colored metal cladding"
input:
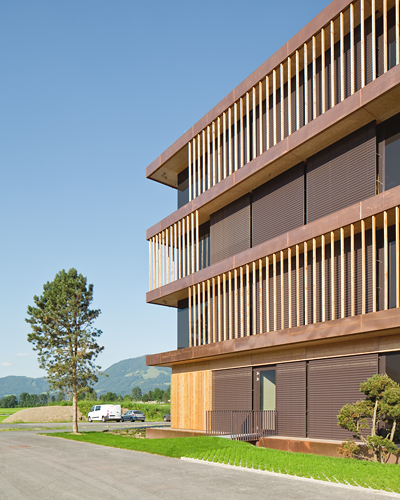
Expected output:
(373, 324)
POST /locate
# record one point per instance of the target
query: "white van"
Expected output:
(104, 413)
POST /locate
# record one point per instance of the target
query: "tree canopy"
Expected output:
(64, 336)
(379, 412)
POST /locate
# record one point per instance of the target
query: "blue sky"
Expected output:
(91, 92)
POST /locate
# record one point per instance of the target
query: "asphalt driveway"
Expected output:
(40, 467)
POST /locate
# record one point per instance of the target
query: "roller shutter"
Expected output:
(333, 383)
(230, 230)
(342, 174)
(291, 399)
(278, 205)
(232, 389)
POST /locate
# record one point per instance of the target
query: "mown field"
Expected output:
(6, 412)
(337, 470)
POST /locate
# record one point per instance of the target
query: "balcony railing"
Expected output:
(246, 425)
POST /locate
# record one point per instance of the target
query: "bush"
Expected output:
(153, 412)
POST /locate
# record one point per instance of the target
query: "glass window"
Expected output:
(392, 152)
(183, 324)
(267, 390)
(392, 48)
(393, 366)
(183, 188)
(392, 274)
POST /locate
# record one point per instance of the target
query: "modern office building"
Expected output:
(282, 258)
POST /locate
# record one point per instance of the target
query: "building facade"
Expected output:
(282, 258)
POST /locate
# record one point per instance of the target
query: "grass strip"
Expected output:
(337, 470)
(7, 429)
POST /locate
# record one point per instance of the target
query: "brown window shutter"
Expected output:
(232, 389)
(333, 383)
(291, 398)
(342, 174)
(230, 230)
(278, 205)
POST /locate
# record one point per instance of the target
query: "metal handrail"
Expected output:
(241, 425)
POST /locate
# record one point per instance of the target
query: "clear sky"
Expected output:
(91, 92)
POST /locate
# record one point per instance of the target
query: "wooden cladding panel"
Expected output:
(232, 389)
(291, 398)
(230, 230)
(342, 174)
(331, 384)
(191, 397)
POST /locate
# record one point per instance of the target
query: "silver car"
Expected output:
(133, 416)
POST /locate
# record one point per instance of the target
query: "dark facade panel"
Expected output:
(343, 174)
(278, 205)
(333, 383)
(232, 389)
(291, 399)
(230, 230)
(183, 324)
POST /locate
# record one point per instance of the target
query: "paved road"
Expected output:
(36, 467)
(84, 426)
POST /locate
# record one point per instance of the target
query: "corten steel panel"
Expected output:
(342, 174)
(230, 230)
(381, 323)
(232, 389)
(278, 205)
(291, 398)
(332, 383)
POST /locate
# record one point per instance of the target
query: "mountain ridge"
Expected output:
(120, 377)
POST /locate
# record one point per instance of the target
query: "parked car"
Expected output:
(167, 418)
(104, 413)
(133, 416)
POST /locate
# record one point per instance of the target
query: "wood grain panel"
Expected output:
(191, 397)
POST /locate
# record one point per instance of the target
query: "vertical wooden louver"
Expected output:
(333, 383)
(230, 230)
(291, 398)
(342, 174)
(232, 389)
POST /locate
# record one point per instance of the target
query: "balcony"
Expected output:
(329, 273)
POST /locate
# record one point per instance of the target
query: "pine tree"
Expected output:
(64, 336)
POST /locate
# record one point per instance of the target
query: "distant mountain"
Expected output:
(129, 373)
(16, 385)
(122, 378)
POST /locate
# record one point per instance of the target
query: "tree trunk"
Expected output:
(74, 409)
(393, 430)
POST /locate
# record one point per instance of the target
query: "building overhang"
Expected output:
(381, 323)
(173, 160)
(378, 101)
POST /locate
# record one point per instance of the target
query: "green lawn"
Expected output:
(10, 411)
(213, 449)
